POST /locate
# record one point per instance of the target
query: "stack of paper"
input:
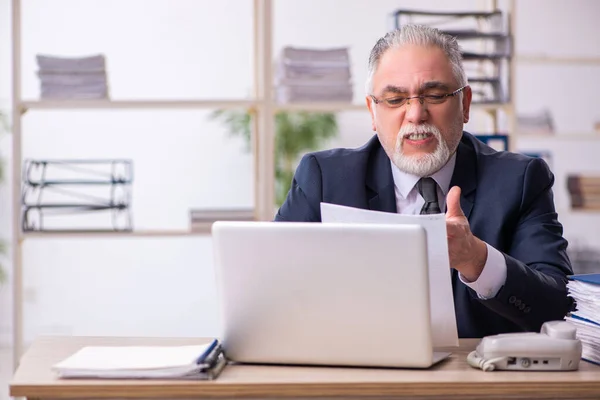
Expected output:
(536, 123)
(314, 75)
(585, 289)
(144, 362)
(72, 78)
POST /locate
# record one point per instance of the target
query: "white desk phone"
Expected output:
(555, 348)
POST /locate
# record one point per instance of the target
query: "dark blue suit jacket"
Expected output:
(509, 203)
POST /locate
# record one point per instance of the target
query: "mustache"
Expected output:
(410, 129)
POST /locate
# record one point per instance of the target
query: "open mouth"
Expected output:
(419, 138)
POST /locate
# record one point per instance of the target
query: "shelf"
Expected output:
(332, 107)
(76, 183)
(469, 56)
(130, 104)
(484, 80)
(484, 14)
(110, 234)
(563, 136)
(474, 34)
(216, 104)
(544, 59)
(324, 106)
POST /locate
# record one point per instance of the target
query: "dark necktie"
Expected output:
(427, 188)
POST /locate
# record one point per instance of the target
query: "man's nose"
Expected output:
(416, 110)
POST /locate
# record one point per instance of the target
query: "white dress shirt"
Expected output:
(409, 201)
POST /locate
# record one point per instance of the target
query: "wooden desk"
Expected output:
(452, 378)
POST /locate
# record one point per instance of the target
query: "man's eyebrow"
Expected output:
(434, 85)
(426, 86)
(394, 89)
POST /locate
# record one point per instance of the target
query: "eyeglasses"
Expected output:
(396, 102)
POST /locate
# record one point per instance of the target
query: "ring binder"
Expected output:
(56, 193)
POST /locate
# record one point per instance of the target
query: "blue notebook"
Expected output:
(588, 278)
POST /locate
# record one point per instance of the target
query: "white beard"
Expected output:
(421, 164)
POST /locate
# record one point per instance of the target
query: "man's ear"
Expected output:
(466, 100)
(371, 107)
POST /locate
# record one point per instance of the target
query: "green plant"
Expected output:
(295, 134)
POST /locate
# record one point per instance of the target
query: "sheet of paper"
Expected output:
(443, 319)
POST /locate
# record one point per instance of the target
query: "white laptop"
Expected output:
(324, 294)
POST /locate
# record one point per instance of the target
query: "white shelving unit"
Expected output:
(262, 105)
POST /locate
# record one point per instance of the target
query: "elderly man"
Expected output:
(507, 253)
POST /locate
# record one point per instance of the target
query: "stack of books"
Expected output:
(584, 192)
(197, 362)
(585, 290)
(305, 75)
(72, 78)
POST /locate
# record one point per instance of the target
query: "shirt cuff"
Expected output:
(493, 276)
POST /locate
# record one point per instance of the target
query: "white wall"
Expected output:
(202, 49)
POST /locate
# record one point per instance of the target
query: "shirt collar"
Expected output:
(405, 182)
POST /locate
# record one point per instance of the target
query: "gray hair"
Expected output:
(419, 35)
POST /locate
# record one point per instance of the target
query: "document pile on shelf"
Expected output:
(72, 78)
(305, 75)
(536, 123)
(585, 289)
(584, 191)
(196, 362)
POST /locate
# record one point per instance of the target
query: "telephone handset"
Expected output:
(555, 348)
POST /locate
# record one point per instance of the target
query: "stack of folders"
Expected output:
(77, 195)
(584, 191)
(72, 77)
(197, 362)
(585, 289)
(305, 75)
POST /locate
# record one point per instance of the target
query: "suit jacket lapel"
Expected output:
(465, 176)
(380, 183)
